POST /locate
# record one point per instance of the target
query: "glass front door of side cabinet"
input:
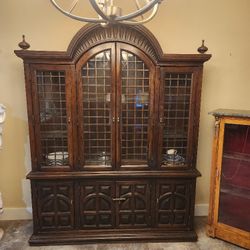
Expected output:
(51, 103)
(177, 94)
(234, 192)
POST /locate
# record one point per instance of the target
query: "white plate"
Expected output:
(58, 158)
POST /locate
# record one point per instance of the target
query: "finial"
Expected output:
(23, 44)
(202, 49)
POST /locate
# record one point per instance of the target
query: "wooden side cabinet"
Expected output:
(229, 210)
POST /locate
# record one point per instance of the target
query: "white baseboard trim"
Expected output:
(26, 213)
(16, 214)
(201, 209)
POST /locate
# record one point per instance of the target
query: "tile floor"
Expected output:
(17, 234)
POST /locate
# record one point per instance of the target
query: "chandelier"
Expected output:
(109, 13)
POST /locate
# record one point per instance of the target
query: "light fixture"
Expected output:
(108, 13)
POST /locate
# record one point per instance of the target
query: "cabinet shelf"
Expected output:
(176, 136)
(110, 174)
(236, 191)
(237, 156)
(54, 134)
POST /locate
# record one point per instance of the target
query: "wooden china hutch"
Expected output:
(113, 126)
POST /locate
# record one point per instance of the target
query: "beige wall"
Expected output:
(179, 26)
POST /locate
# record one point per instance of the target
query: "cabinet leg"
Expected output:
(210, 230)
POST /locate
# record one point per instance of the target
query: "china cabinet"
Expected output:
(229, 217)
(113, 126)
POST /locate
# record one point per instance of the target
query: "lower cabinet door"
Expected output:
(173, 199)
(133, 204)
(126, 204)
(97, 208)
(121, 204)
(54, 205)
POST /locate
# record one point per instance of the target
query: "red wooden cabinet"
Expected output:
(229, 217)
(113, 128)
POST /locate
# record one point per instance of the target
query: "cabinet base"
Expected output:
(230, 234)
(112, 237)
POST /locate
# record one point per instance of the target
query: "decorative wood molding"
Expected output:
(92, 35)
(187, 173)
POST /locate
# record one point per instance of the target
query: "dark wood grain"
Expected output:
(127, 199)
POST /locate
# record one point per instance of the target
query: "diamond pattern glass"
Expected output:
(177, 96)
(53, 117)
(135, 108)
(96, 85)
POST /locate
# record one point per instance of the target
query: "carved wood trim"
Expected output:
(94, 34)
(91, 35)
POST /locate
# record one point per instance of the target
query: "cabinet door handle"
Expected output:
(118, 199)
(123, 98)
(69, 119)
(113, 119)
(108, 97)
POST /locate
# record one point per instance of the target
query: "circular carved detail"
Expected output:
(92, 35)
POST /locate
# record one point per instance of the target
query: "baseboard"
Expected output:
(26, 213)
(16, 214)
(201, 209)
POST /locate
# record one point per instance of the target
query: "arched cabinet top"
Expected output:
(92, 35)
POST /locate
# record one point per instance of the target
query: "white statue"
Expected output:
(2, 119)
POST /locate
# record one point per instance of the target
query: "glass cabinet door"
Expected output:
(176, 114)
(234, 194)
(53, 111)
(96, 117)
(135, 103)
(116, 108)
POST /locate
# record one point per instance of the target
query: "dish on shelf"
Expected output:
(173, 159)
(103, 157)
(57, 158)
(47, 110)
